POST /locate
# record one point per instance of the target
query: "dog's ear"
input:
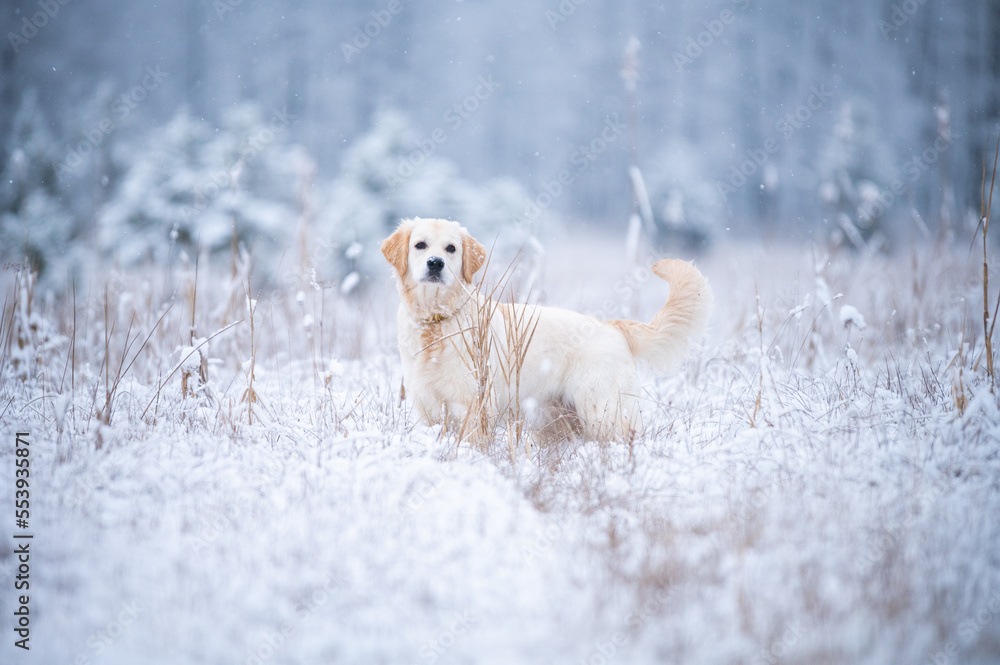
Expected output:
(396, 247)
(473, 256)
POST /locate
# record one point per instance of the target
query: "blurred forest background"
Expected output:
(133, 129)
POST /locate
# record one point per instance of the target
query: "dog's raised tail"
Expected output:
(663, 343)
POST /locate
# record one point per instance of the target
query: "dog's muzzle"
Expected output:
(435, 266)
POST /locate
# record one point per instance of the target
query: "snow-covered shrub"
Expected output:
(391, 173)
(188, 183)
(32, 339)
(685, 203)
(855, 175)
(35, 224)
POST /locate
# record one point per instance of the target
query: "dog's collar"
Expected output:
(437, 318)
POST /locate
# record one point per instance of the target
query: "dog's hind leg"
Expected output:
(606, 417)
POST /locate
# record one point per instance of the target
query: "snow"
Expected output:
(849, 315)
(225, 468)
(190, 356)
(354, 250)
(802, 494)
(350, 283)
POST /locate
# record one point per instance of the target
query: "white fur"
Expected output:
(573, 361)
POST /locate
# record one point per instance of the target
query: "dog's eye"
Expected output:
(421, 245)
(450, 249)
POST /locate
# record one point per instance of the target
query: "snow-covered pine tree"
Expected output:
(185, 184)
(686, 204)
(393, 172)
(35, 224)
(855, 177)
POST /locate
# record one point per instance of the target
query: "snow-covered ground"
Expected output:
(820, 483)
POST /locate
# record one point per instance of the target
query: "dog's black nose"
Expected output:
(435, 264)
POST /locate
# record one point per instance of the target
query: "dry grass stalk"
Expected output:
(22, 328)
(508, 345)
(985, 208)
(111, 387)
(477, 340)
(71, 352)
(104, 413)
(520, 323)
(186, 374)
(183, 360)
(7, 328)
(760, 385)
(250, 395)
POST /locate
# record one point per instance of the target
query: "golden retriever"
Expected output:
(469, 360)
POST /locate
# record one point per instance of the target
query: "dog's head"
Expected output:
(435, 254)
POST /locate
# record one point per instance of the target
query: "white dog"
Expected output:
(469, 360)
